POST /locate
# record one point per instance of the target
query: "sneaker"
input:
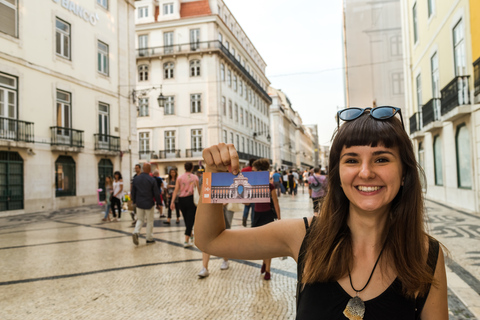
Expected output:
(267, 276)
(224, 265)
(135, 238)
(150, 241)
(203, 273)
(187, 244)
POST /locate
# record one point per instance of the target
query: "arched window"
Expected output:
(168, 68)
(143, 72)
(65, 177)
(194, 68)
(464, 157)
(437, 159)
(222, 72)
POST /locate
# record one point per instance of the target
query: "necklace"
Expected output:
(355, 309)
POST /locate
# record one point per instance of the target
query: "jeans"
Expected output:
(107, 210)
(188, 208)
(250, 207)
(141, 215)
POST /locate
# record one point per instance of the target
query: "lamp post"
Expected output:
(161, 98)
(256, 134)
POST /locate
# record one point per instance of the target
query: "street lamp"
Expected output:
(255, 134)
(161, 98)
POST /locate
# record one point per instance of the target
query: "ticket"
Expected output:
(246, 187)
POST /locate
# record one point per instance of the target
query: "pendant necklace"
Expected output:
(355, 309)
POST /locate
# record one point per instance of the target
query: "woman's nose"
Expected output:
(366, 171)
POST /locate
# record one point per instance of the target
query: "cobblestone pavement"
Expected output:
(68, 265)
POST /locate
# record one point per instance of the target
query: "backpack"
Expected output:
(316, 186)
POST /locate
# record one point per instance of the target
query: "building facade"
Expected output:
(66, 72)
(442, 104)
(196, 55)
(373, 53)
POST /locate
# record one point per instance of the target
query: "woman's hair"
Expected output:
(108, 183)
(329, 255)
(261, 164)
(170, 173)
(119, 175)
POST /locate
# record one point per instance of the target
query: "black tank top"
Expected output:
(328, 300)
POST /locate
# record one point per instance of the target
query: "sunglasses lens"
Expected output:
(383, 112)
(350, 114)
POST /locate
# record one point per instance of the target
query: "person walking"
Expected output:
(184, 189)
(138, 170)
(144, 192)
(277, 181)
(248, 206)
(297, 181)
(159, 180)
(108, 196)
(317, 183)
(285, 181)
(117, 195)
(172, 179)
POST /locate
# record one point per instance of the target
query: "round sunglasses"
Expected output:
(378, 113)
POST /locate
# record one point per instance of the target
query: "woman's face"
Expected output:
(108, 180)
(370, 177)
(173, 173)
(117, 176)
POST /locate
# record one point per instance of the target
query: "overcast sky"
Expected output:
(301, 42)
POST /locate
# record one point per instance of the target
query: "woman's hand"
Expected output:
(221, 158)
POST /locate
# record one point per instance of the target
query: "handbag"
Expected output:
(235, 207)
(196, 197)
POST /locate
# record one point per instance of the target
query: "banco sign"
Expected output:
(78, 10)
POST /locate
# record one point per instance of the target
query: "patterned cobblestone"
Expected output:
(68, 265)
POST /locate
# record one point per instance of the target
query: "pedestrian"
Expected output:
(116, 201)
(277, 182)
(369, 241)
(249, 207)
(317, 185)
(108, 196)
(291, 183)
(159, 180)
(172, 179)
(144, 193)
(297, 181)
(184, 189)
(138, 170)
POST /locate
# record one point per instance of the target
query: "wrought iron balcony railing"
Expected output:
(201, 46)
(456, 93)
(476, 72)
(246, 156)
(107, 142)
(431, 111)
(12, 129)
(67, 137)
(147, 155)
(416, 122)
(196, 152)
(169, 154)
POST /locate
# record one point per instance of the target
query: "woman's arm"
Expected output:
(436, 306)
(174, 195)
(280, 238)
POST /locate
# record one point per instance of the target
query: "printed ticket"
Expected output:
(246, 187)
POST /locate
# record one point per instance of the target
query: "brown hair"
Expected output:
(329, 253)
(170, 173)
(261, 164)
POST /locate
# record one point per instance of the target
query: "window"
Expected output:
(415, 23)
(246, 118)
(235, 83)
(103, 121)
(102, 56)
(65, 177)
(237, 146)
(459, 49)
(230, 109)
(255, 123)
(8, 97)
(219, 11)
(222, 72)
(236, 113)
(143, 45)
(103, 3)
(243, 144)
(62, 34)
(240, 85)
(248, 146)
(142, 12)
(396, 45)
(197, 139)
(168, 42)
(231, 137)
(229, 78)
(194, 39)
(169, 105)
(397, 82)
(9, 17)
(435, 76)
(168, 68)
(195, 103)
(418, 81)
(144, 142)
(437, 159)
(251, 121)
(241, 116)
(431, 7)
(170, 141)
(224, 106)
(227, 45)
(225, 136)
(464, 157)
(143, 107)
(64, 108)
(220, 38)
(194, 68)
(143, 72)
(167, 8)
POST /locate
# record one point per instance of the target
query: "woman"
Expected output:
(172, 179)
(265, 212)
(184, 188)
(117, 195)
(285, 181)
(367, 255)
(108, 194)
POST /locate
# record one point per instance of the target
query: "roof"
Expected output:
(195, 8)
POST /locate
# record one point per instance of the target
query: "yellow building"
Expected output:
(475, 29)
(443, 118)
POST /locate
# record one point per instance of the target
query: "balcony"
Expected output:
(193, 153)
(16, 130)
(201, 47)
(246, 156)
(416, 125)
(456, 98)
(66, 139)
(169, 154)
(147, 155)
(431, 114)
(106, 144)
(476, 80)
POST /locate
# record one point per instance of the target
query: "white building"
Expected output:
(197, 55)
(66, 73)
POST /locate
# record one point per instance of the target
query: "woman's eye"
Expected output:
(381, 160)
(350, 161)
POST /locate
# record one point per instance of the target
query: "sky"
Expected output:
(301, 42)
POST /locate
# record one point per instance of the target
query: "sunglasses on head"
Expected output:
(378, 113)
